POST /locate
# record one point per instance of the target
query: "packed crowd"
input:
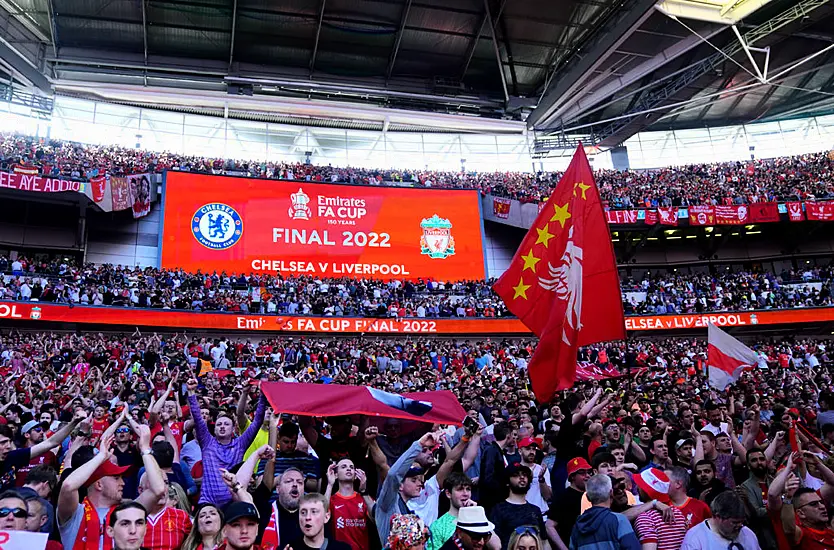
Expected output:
(805, 177)
(166, 442)
(63, 281)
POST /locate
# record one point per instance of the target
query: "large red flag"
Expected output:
(562, 282)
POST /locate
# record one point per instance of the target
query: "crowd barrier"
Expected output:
(33, 312)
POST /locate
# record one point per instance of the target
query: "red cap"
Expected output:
(528, 441)
(577, 464)
(107, 469)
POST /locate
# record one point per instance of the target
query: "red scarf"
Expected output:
(271, 538)
(91, 529)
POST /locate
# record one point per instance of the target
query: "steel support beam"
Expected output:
(23, 69)
(624, 127)
(397, 41)
(510, 60)
(232, 41)
(318, 34)
(605, 40)
(470, 52)
(53, 26)
(575, 106)
(497, 51)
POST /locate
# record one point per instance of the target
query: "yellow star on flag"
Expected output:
(544, 235)
(561, 214)
(530, 261)
(581, 186)
(521, 289)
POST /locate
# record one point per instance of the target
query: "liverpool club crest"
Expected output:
(35, 314)
(437, 241)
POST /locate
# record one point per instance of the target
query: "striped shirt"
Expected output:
(651, 529)
(167, 529)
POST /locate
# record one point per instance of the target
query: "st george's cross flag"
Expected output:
(727, 358)
(562, 282)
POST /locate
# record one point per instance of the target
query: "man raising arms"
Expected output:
(82, 524)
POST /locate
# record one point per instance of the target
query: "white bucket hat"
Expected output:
(474, 520)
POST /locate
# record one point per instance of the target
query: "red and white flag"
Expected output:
(562, 282)
(795, 211)
(668, 215)
(727, 358)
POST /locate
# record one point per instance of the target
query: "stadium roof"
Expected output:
(602, 69)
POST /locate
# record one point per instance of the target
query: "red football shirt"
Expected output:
(350, 520)
(47, 458)
(167, 529)
(695, 511)
(176, 431)
(98, 427)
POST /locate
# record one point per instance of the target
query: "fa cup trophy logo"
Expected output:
(299, 209)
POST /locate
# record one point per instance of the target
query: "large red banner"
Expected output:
(434, 407)
(39, 184)
(246, 225)
(732, 215)
(667, 215)
(621, 217)
(764, 212)
(820, 211)
(501, 207)
(795, 211)
(701, 215)
(43, 312)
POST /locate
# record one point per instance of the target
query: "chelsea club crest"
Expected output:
(437, 241)
(217, 226)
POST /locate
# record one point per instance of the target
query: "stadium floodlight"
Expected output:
(723, 12)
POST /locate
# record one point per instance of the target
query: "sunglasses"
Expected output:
(122, 430)
(812, 503)
(527, 530)
(16, 512)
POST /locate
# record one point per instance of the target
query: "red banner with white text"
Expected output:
(732, 215)
(501, 207)
(651, 217)
(820, 211)
(621, 217)
(795, 211)
(701, 215)
(39, 184)
(37, 313)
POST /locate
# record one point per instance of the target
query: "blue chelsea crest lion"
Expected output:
(217, 226)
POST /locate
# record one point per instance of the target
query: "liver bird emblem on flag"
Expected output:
(572, 298)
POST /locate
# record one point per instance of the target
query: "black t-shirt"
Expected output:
(565, 511)
(298, 544)
(16, 459)
(507, 516)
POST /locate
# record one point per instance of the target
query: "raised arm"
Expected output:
(157, 485)
(247, 437)
(452, 456)
(68, 497)
(55, 439)
(470, 455)
(390, 487)
(202, 432)
(269, 469)
(244, 474)
(240, 412)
